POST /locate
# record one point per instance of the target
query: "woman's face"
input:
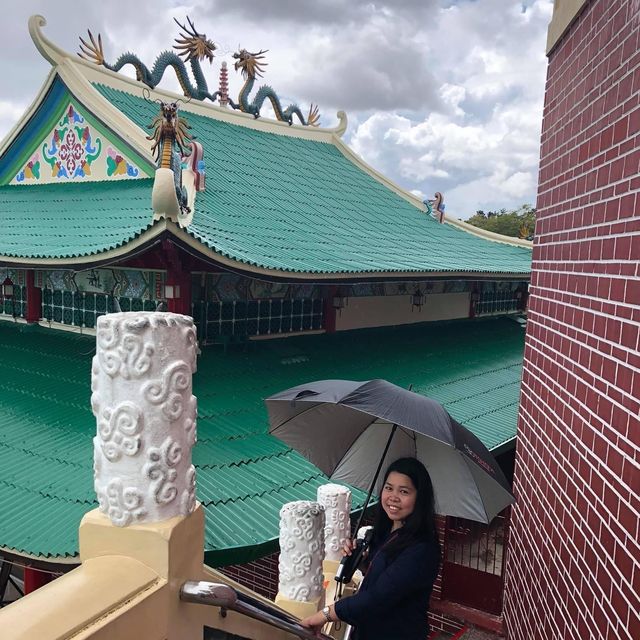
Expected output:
(398, 498)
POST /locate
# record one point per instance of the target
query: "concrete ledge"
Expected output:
(564, 13)
(78, 599)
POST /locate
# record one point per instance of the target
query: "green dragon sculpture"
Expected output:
(193, 46)
(252, 66)
(170, 140)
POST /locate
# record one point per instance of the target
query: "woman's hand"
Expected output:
(348, 547)
(314, 622)
(318, 620)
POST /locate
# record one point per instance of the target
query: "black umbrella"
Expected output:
(341, 426)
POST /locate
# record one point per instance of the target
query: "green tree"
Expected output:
(519, 223)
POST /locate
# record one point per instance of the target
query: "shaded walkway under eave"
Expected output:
(244, 475)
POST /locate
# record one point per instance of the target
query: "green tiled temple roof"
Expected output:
(72, 219)
(244, 475)
(295, 205)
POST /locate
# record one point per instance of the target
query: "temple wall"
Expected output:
(574, 564)
(373, 311)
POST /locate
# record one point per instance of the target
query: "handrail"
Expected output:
(221, 595)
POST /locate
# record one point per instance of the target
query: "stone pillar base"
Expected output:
(172, 548)
(330, 568)
(299, 609)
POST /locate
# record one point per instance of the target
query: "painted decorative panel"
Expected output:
(80, 298)
(128, 283)
(227, 287)
(74, 150)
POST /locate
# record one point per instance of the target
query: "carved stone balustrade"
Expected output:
(300, 588)
(336, 500)
(146, 416)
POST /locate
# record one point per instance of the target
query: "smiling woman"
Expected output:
(398, 498)
(403, 562)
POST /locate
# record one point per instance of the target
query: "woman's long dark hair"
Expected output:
(420, 526)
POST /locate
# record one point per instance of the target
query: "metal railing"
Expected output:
(228, 599)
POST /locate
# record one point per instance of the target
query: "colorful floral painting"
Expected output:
(74, 151)
(117, 165)
(71, 150)
(31, 170)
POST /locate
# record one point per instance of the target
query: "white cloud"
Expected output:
(442, 95)
(9, 114)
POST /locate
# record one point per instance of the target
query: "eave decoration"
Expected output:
(180, 173)
(435, 207)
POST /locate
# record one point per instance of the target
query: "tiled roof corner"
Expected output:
(70, 220)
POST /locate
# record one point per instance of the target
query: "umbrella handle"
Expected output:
(375, 477)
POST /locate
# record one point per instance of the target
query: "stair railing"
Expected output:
(228, 599)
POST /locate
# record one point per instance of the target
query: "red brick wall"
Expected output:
(260, 575)
(574, 563)
(440, 621)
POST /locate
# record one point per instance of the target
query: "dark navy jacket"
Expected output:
(394, 597)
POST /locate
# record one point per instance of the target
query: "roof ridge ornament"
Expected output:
(49, 51)
(174, 188)
(435, 207)
(251, 66)
(192, 47)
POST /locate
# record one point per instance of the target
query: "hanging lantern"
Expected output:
(171, 291)
(339, 301)
(417, 299)
(7, 288)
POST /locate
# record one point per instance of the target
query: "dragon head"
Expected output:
(168, 123)
(193, 45)
(250, 63)
(169, 111)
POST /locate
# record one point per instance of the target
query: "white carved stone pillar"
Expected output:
(300, 587)
(146, 416)
(336, 501)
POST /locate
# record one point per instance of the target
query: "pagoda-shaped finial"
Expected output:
(223, 88)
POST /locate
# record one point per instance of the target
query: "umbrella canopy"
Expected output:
(342, 427)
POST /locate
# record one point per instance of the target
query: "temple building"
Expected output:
(296, 260)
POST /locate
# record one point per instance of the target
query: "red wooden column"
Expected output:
(474, 299)
(34, 298)
(34, 579)
(330, 311)
(178, 278)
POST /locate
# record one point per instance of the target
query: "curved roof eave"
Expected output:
(190, 243)
(80, 75)
(165, 227)
(127, 249)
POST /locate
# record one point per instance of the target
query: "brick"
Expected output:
(589, 176)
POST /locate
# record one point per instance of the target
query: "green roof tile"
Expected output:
(272, 201)
(72, 219)
(289, 204)
(244, 475)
